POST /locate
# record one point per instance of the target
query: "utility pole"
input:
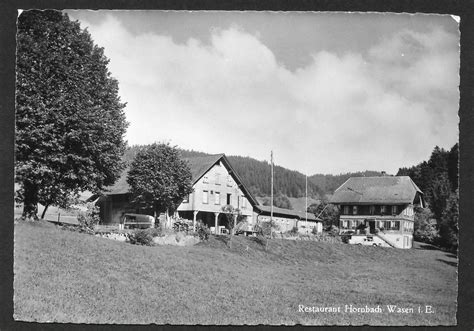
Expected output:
(271, 199)
(306, 209)
(271, 185)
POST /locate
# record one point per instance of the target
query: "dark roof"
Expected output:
(384, 189)
(286, 212)
(198, 165)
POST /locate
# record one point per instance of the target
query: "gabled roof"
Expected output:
(236, 177)
(378, 190)
(286, 212)
(198, 165)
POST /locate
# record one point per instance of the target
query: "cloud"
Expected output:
(381, 110)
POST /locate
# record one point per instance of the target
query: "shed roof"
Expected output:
(287, 212)
(382, 189)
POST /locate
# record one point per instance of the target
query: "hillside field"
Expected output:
(64, 276)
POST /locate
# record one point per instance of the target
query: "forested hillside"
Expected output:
(440, 171)
(256, 175)
(287, 183)
(329, 183)
(438, 179)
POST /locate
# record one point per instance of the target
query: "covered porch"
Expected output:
(217, 222)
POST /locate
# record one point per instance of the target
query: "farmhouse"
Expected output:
(382, 206)
(215, 185)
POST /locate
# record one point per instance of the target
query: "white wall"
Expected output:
(217, 179)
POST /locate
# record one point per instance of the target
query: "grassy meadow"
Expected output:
(63, 276)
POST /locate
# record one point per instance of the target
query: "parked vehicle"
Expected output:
(365, 240)
(130, 221)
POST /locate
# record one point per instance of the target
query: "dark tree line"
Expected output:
(287, 183)
(329, 183)
(279, 200)
(255, 175)
(438, 179)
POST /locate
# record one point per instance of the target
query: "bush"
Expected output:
(202, 231)
(182, 224)
(88, 219)
(294, 230)
(142, 237)
(265, 228)
(155, 232)
(425, 227)
(333, 231)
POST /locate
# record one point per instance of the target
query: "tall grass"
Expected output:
(64, 276)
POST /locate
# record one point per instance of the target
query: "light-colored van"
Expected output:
(130, 221)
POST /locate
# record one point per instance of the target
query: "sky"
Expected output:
(326, 92)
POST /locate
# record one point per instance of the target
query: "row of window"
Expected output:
(217, 179)
(362, 210)
(389, 225)
(241, 201)
(275, 219)
(385, 225)
(282, 221)
(350, 224)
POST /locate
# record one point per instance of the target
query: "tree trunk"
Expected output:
(30, 203)
(44, 211)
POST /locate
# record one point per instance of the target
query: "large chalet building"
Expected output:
(382, 206)
(215, 185)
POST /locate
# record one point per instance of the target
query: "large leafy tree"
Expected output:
(448, 227)
(425, 229)
(280, 200)
(329, 213)
(70, 122)
(159, 179)
(438, 179)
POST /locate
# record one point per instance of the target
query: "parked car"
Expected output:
(365, 240)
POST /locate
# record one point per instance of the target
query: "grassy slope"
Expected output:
(65, 276)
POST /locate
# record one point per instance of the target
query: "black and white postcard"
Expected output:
(236, 168)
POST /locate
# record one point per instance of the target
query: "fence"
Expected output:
(318, 237)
